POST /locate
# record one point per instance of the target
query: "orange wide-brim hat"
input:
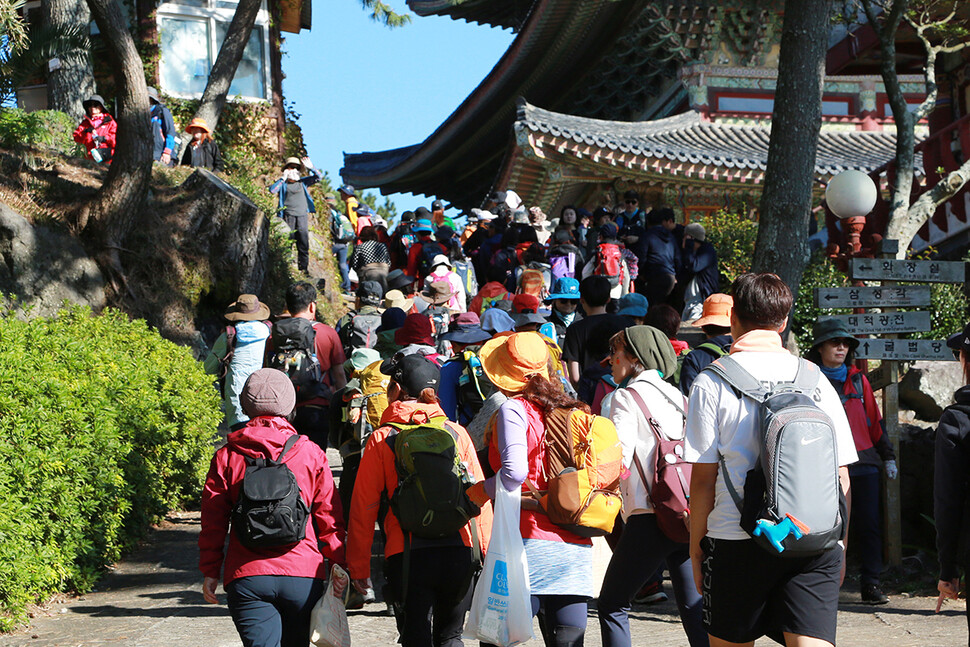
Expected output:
(717, 311)
(510, 360)
(200, 124)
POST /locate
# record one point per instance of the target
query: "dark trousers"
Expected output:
(340, 251)
(313, 422)
(438, 595)
(298, 223)
(348, 475)
(273, 610)
(658, 286)
(866, 522)
(642, 548)
(563, 619)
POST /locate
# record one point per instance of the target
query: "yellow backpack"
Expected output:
(583, 463)
(373, 387)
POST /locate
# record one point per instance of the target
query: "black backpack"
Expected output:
(426, 259)
(270, 512)
(293, 353)
(474, 387)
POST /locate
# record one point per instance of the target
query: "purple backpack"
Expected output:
(563, 265)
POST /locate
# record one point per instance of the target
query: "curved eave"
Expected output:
(467, 149)
(497, 13)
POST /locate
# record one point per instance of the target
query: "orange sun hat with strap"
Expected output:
(509, 361)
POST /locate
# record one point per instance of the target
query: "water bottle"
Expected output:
(96, 155)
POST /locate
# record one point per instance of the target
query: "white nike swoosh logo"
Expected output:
(809, 441)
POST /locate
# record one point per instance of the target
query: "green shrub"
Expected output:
(733, 236)
(104, 427)
(820, 273)
(48, 129)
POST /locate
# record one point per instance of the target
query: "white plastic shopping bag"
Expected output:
(328, 619)
(501, 611)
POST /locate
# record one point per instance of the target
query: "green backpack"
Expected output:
(713, 349)
(429, 500)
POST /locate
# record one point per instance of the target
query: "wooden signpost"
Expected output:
(885, 322)
(904, 296)
(888, 323)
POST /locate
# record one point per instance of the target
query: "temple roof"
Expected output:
(459, 161)
(689, 140)
(510, 14)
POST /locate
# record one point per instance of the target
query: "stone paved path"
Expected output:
(153, 599)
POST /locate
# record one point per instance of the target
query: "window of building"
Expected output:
(190, 35)
(832, 106)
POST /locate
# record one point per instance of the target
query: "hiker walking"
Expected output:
(295, 204)
(715, 321)
(560, 562)
(429, 566)
(646, 410)
(273, 574)
(300, 340)
(238, 352)
(371, 260)
(163, 130)
(950, 478)
(833, 351)
(202, 151)
(750, 589)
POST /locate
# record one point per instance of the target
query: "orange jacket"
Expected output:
(377, 476)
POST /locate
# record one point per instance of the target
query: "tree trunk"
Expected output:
(108, 218)
(786, 204)
(68, 86)
(224, 69)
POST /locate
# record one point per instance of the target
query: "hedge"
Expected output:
(104, 427)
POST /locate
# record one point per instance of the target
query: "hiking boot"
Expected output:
(872, 594)
(651, 593)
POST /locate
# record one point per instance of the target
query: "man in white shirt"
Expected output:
(747, 591)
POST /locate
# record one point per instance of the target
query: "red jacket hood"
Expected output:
(262, 437)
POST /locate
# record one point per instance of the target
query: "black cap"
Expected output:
(370, 292)
(414, 373)
(437, 205)
(631, 195)
(397, 279)
(444, 233)
(422, 213)
(960, 340)
(407, 216)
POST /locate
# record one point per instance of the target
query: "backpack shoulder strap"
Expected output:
(287, 446)
(652, 422)
(807, 376)
(731, 372)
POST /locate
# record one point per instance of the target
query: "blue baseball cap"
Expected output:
(633, 305)
(423, 225)
(564, 288)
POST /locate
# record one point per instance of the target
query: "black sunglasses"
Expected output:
(631, 201)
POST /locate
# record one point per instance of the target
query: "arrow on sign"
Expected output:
(865, 347)
(865, 268)
(829, 297)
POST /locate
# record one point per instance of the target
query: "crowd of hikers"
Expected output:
(542, 359)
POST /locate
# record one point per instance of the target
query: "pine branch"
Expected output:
(383, 13)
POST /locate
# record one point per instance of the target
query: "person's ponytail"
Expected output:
(428, 396)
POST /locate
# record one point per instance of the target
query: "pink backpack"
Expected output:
(669, 491)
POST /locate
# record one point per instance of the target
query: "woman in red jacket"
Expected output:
(270, 591)
(431, 609)
(97, 130)
(832, 351)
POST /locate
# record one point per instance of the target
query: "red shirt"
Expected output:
(330, 353)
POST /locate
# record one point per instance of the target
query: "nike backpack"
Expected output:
(793, 503)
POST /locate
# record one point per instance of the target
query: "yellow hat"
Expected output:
(509, 361)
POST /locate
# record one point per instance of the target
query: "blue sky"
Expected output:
(360, 86)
